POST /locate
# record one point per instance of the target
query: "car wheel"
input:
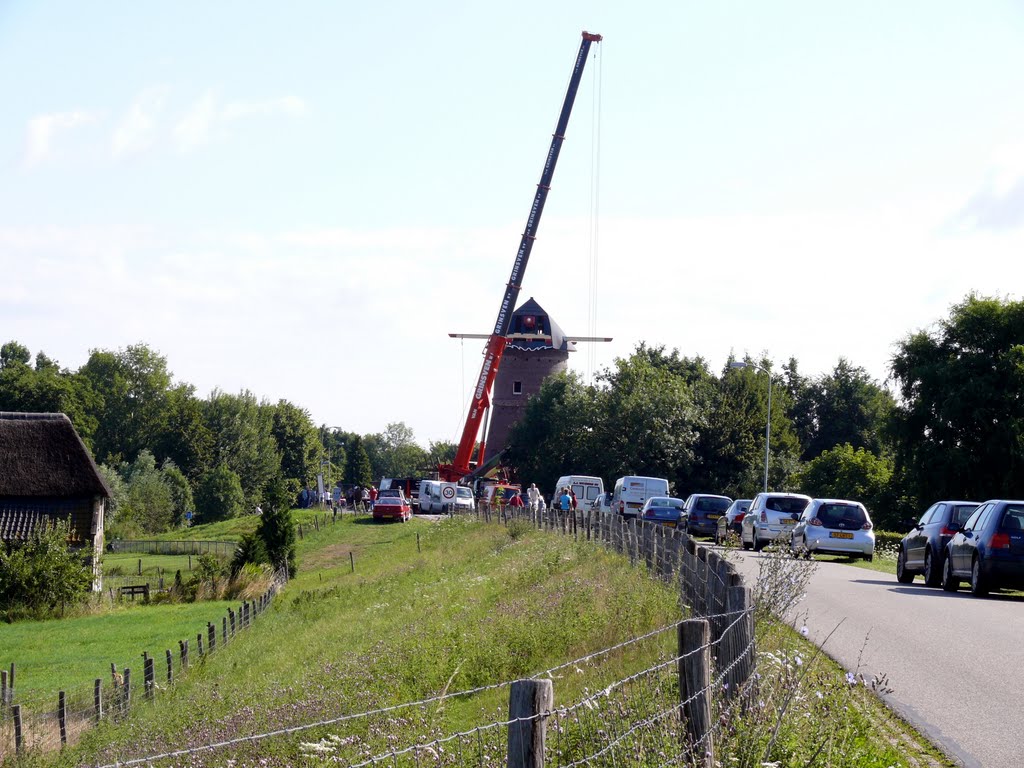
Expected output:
(744, 542)
(903, 576)
(759, 544)
(870, 557)
(949, 583)
(979, 586)
(932, 573)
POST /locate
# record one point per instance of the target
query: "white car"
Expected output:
(770, 516)
(834, 527)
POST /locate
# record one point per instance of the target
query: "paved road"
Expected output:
(955, 662)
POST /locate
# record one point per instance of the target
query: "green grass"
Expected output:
(127, 564)
(466, 605)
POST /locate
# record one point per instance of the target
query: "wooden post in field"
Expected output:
(352, 561)
(528, 701)
(739, 600)
(199, 643)
(11, 685)
(231, 621)
(62, 717)
(418, 543)
(97, 700)
(695, 689)
(126, 690)
(170, 667)
(140, 566)
(19, 740)
(148, 678)
(182, 648)
(224, 630)
(3, 690)
(700, 585)
(211, 632)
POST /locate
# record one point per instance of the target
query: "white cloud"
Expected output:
(195, 127)
(42, 130)
(287, 105)
(138, 129)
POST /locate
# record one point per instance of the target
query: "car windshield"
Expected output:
(390, 492)
(464, 493)
(786, 505)
(961, 512)
(711, 504)
(847, 515)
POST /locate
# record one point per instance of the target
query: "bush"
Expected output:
(43, 573)
(251, 550)
(219, 495)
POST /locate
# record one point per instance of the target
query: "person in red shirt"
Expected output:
(516, 501)
(373, 496)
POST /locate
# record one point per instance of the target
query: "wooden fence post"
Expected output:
(19, 740)
(148, 677)
(695, 689)
(352, 561)
(126, 690)
(231, 621)
(3, 690)
(97, 699)
(199, 643)
(224, 630)
(11, 684)
(528, 702)
(211, 632)
(170, 667)
(740, 644)
(62, 717)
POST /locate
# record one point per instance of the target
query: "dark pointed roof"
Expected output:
(531, 328)
(41, 454)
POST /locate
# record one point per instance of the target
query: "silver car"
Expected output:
(770, 516)
(834, 527)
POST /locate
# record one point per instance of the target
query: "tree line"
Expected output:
(952, 426)
(165, 452)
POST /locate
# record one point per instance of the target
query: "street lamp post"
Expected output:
(768, 424)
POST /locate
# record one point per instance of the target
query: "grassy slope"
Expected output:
(474, 606)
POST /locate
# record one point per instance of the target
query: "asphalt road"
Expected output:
(955, 662)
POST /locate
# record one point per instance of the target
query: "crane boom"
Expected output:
(496, 342)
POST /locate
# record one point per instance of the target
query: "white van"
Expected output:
(588, 489)
(632, 491)
(430, 494)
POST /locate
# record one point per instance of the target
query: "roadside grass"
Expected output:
(454, 605)
(127, 564)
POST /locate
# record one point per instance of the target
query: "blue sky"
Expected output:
(303, 199)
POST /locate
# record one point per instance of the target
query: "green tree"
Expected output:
(13, 353)
(186, 439)
(441, 452)
(357, 463)
(241, 428)
(149, 506)
(398, 454)
(848, 407)
(298, 442)
(219, 495)
(845, 472)
(181, 492)
(959, 427)
(132, 385)
(277, 529)
(43, 573)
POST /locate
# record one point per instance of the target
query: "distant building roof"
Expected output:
(531, 328)
(41, 455)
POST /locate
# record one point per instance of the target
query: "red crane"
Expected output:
(496, 342)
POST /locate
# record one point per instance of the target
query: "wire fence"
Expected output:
(40, 722)
(220, 547)
(669, 711)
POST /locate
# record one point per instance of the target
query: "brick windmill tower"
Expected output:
(536, 348)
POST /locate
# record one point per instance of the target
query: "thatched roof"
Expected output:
(41, 454)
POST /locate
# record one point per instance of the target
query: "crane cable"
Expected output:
(593, 250)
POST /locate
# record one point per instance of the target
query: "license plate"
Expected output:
(840, 535)
(788, 521)
(713, 517)
(669, 524)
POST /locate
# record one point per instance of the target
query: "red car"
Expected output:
(392, 508)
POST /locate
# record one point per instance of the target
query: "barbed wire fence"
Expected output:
(40, 722)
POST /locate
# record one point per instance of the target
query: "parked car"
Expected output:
(771, 515)
(989, 551)
(924, 548)
(632, 491)
(664, 510)
(702, 511)
(731, 520)
(586, 487)
(603, 503)
(834, 527)
(392, 508)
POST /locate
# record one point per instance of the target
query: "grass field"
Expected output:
(450, 606)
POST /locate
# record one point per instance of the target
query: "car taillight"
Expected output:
(814, 521)
(650, 513)
(764, 516)
(866, 526)
(622, 506)
(947, 531)
(1000, 540)
(740, 516)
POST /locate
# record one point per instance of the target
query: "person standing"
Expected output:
(565, 500)
(516, 501)
(373, 496)
(365, 499)
(533, 494)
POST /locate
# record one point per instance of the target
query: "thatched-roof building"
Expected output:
(46, 475)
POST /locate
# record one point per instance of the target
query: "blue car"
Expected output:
(988, 552)
(664, 510)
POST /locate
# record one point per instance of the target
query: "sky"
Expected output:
(303, 199)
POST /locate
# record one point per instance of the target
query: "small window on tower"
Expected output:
(517, 387)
